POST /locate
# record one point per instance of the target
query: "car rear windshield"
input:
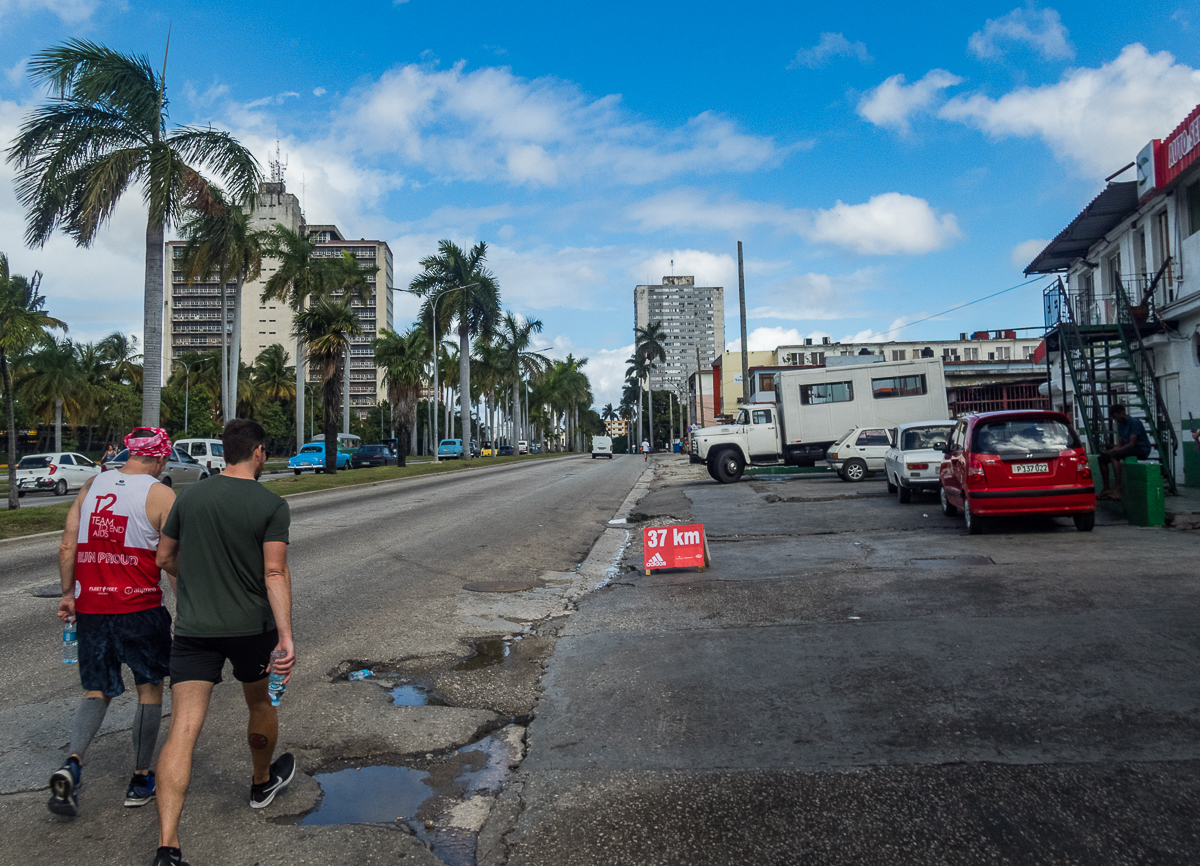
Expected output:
(312, 449)
(917, 438)
(371, 449)
(33, 463)
(1022, 436)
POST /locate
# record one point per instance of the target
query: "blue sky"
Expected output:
(880, 166)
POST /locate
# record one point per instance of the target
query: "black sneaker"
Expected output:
(64, 789)
(282, 772)
(140, 790)
(168, 857)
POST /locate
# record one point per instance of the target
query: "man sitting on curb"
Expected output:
(1132, 441)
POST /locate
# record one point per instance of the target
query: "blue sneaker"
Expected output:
(140, 790)
(64, 789)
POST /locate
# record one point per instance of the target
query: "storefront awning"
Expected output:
(1097, 219)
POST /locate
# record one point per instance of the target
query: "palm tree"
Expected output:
(104, 130)
(637, 372)
(515, 338)
(120, 353)
(473, 294)
(403, 356)
(93, 385)
(649, 342)
(22, 323)
(50, 382)
(607, 414)
(325, 328)
(221, 243)
(273, 375)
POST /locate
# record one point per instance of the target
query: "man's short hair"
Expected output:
(241, 437)
(1116, 410)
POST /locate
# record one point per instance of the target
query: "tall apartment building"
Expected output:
(193, 313)
(692, 317)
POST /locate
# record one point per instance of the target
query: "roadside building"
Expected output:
(193, 313)
(693, 321)
(616, 427)
(1125, 312)
(727, 379)
(701, 399)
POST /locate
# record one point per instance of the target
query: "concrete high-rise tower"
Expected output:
(692, 317)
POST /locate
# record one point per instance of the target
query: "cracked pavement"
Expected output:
(859, 681)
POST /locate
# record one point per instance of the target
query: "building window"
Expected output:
(971, 354)
(1193, 208)
(898, 386)
(899, 354)
(829, 392)
(766, 382)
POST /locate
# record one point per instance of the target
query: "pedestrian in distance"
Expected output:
(1132, 441)
(111, 586)
(645, 451)
(226, 539)
(109, 453)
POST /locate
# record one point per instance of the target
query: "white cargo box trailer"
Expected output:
(816, 406)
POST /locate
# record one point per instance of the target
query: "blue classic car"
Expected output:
(450, 448)
(312, 458)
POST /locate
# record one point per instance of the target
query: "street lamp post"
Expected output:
(187, 389)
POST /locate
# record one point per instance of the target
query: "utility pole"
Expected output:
(742, 303)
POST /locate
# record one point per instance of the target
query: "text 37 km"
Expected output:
(658, 537)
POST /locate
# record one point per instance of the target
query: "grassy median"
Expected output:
(30, 521)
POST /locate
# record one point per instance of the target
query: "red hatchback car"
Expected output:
(1017, 463)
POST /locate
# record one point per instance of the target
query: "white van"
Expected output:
(209, 453)
(602, 447)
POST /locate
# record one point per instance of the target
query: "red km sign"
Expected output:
(675, 547)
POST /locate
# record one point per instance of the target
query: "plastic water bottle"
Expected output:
(358, 675)
(275, 682)
(70, 642)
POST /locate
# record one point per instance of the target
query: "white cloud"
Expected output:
(1041, 29)
(894, 103)
(16, 74)
(892, 332)
(709, 269)
(319, 91)
(691, 208)
(810, 297)
(830, 45)
(887, 224)
(489, 124)
(1097, 118)
(1026, 251)
(70, 11)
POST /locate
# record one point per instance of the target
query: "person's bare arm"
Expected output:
(279, 594)
(66, 555)
(167, 558)
(159, 500)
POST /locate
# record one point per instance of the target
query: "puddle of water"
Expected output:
(948, 561)
(421, 797)
(489, 651)
(413, 695)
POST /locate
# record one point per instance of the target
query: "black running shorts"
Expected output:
(141, 640)
(202, 658)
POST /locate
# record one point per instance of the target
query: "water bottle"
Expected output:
(358, 675)
(275, 682)
(70, 642)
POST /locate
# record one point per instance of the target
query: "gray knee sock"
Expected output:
(88, 719)
(145, 733)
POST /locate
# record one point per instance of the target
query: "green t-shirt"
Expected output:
(221, 525)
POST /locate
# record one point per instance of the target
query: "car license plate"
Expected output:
(1029, 468)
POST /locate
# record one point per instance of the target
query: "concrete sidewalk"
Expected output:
(859, 681)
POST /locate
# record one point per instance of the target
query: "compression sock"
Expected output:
(88, 719)
(145, 734)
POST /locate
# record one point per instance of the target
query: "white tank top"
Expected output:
(115, 568)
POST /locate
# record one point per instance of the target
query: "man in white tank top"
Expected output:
(110, 585)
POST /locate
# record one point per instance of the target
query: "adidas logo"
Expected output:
(656, 561)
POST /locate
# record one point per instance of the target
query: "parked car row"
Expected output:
(993, 464)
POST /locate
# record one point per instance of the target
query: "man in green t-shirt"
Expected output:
(226, 539)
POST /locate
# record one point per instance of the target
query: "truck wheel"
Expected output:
(947, 509)
(891, 486)
(1085, 522)
(854, 470)
(729, 466)
(903, 494)
(712, 470)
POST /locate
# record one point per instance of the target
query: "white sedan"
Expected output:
(912, 463)
(58, 471)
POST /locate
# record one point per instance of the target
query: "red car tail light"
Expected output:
(975, 473)
(916, 465)
(53, 469)
(1085, 471)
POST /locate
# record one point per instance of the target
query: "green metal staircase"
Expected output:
(1109, 364)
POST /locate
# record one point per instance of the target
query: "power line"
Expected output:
(951, 310)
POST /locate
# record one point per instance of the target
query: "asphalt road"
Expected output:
(378, 578)
(858, 681)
